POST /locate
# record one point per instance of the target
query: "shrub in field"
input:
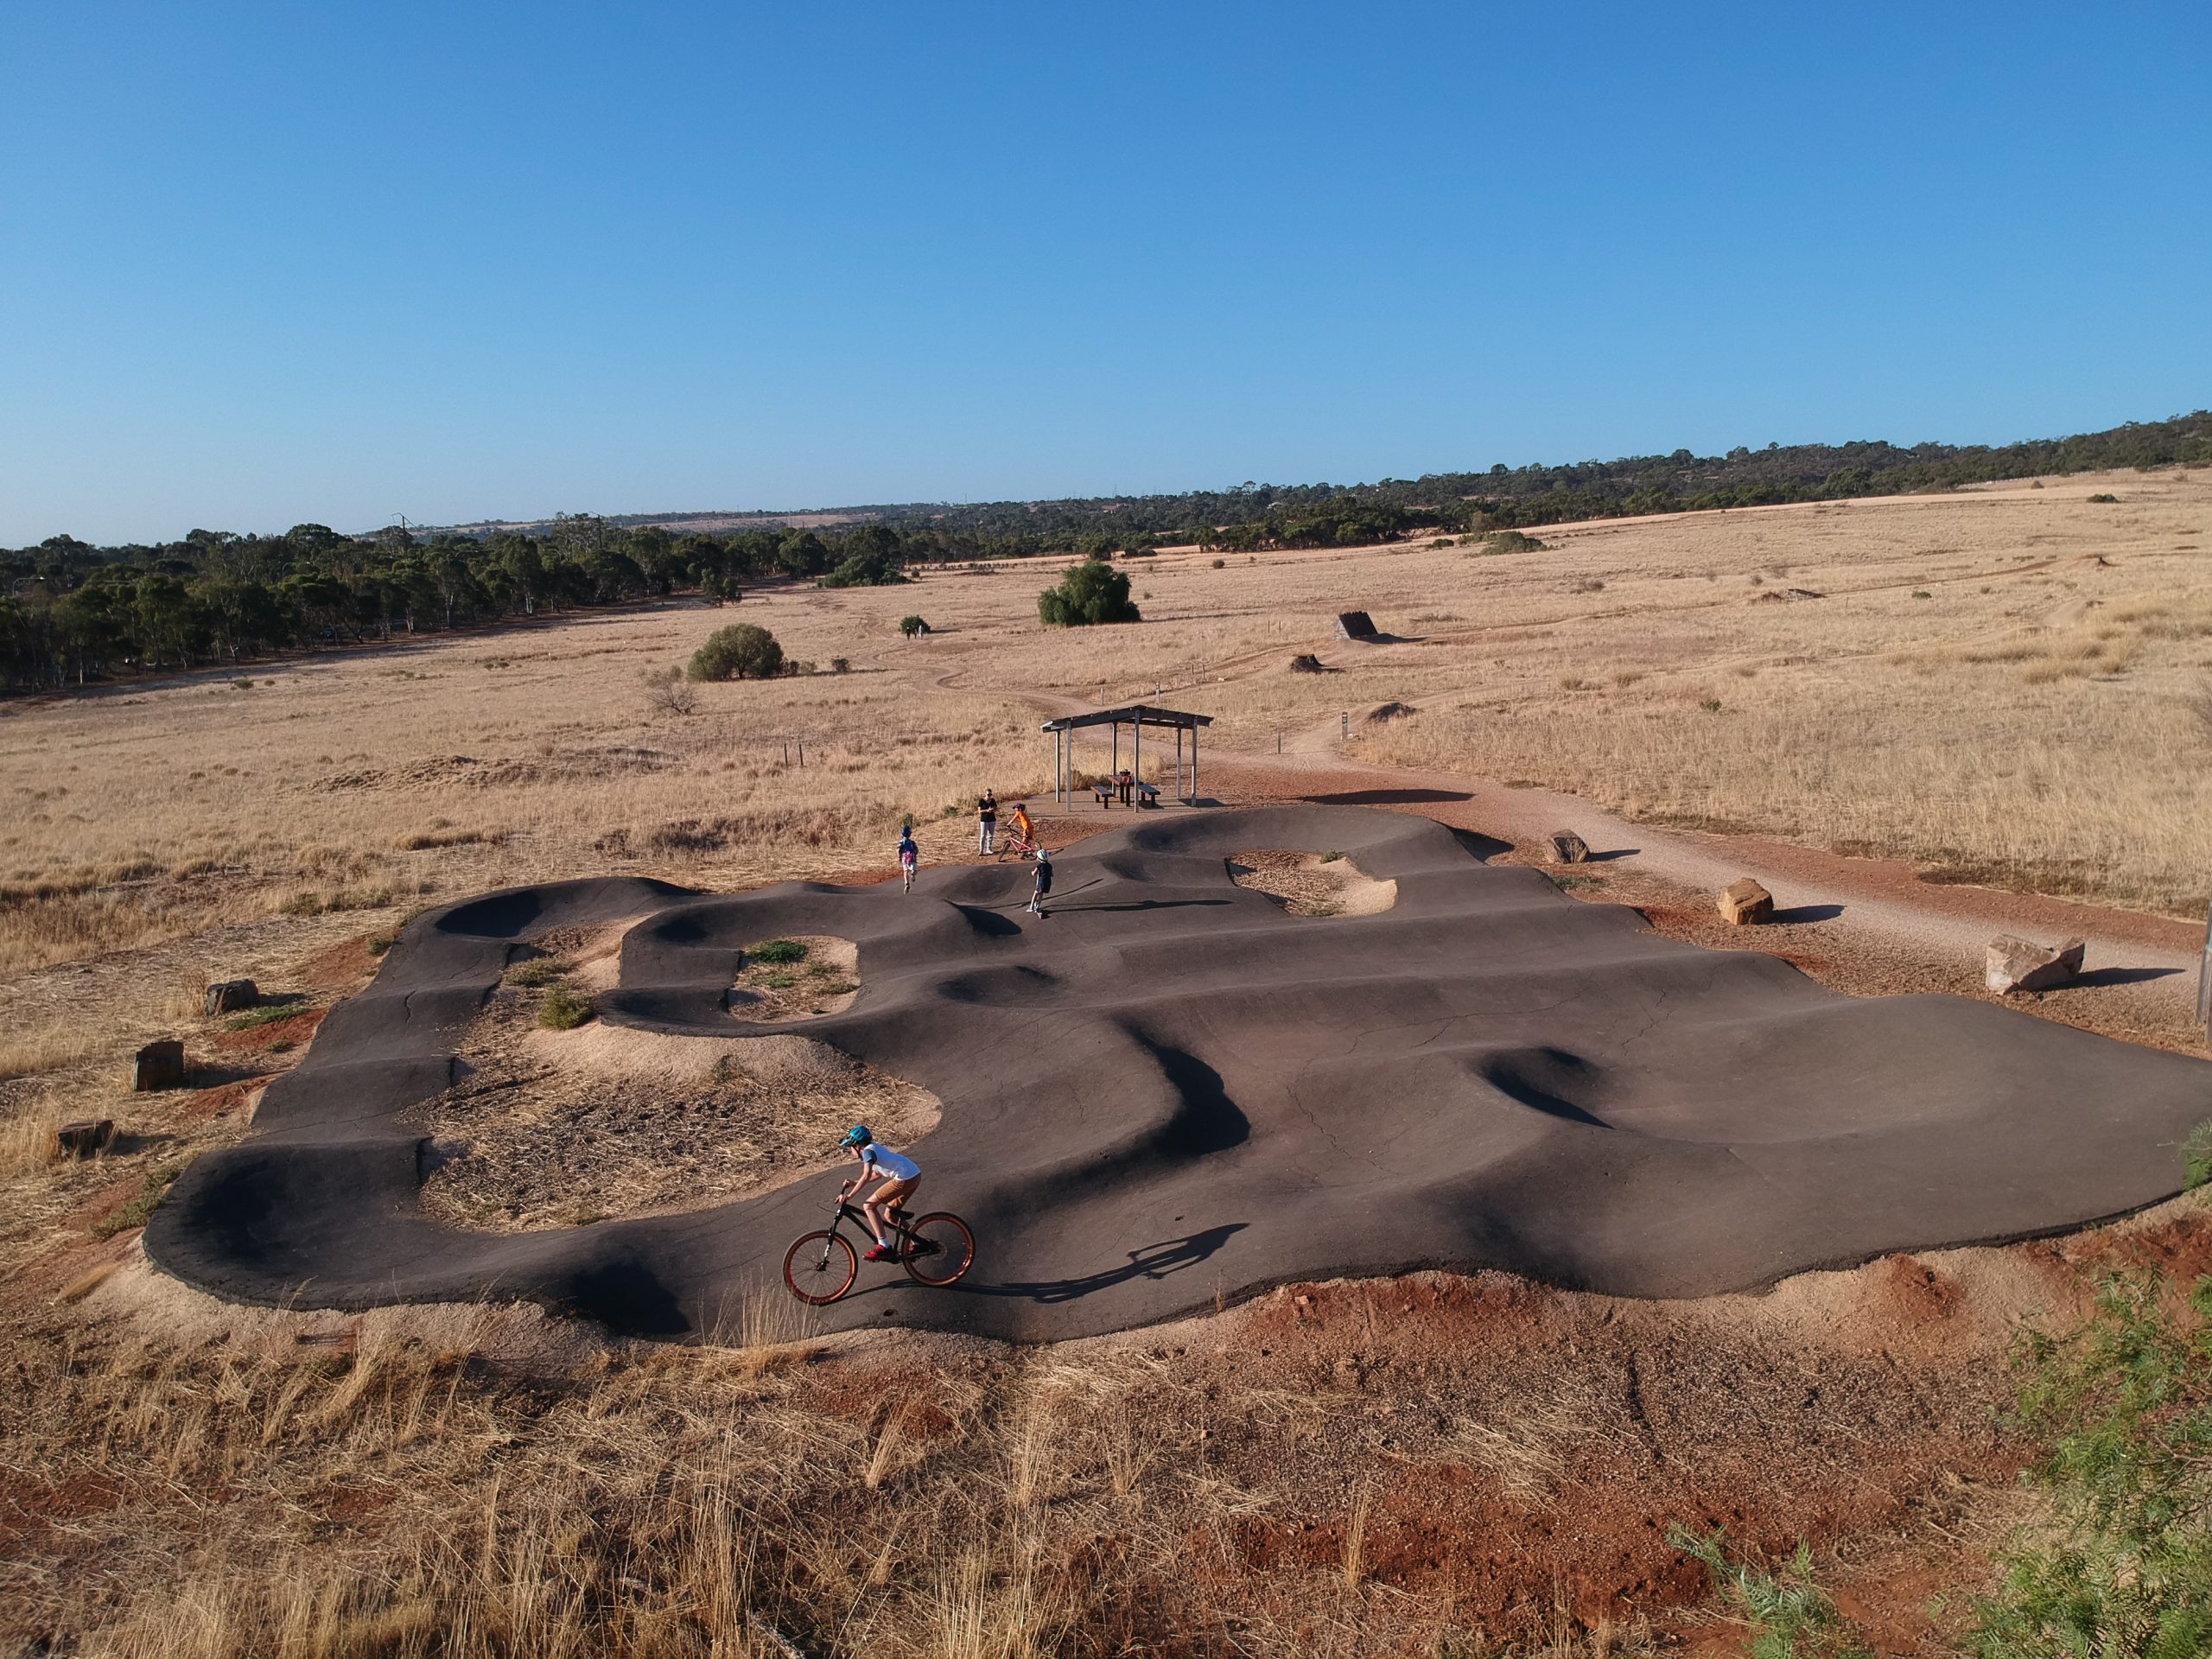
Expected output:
(152, 1189)
(740, 651)
(2104, 500)
(564, 1008)
(2122, 1567)
(1511, 540)
(779, 950)
(2196, 1156)
(667, 693)
(1090, 593)
(1790, 1617)
(911, 625)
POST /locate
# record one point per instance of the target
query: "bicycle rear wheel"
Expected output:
(820, 1267)
(939, 1248)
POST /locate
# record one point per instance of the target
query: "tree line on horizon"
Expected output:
(71, 613)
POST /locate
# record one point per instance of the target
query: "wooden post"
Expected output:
(2205, 979)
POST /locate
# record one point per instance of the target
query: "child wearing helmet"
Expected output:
(909, 855)
(898, 1175)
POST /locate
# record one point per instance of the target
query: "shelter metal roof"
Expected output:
(1137, 713)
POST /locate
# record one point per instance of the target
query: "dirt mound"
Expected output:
(822, 979)
(1310, 884)
(560, 1128)
(446, 771)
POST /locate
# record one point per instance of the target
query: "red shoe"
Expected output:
(879, 1254)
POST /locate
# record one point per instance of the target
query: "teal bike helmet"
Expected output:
(856, 1136)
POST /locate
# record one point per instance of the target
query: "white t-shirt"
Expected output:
(882, 1161)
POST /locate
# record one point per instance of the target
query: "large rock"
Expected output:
(86, 1138)
(226, 994)
(1568, 848)
(158, 1065)
(1745, 902)
(2014, 965)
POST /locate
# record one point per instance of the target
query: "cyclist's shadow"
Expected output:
(1152, 1262)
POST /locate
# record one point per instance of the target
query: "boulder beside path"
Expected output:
(1744, 902)
(2012, 965)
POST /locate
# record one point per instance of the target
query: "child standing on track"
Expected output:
(1044, 888)
(909, 855)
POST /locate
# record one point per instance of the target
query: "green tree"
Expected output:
(1092, 592)
(740, 652)
(869, 557)
(802, 554)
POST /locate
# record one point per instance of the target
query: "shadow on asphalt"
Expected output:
(1152, 1262)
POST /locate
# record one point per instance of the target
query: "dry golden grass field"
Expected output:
(2008, 685)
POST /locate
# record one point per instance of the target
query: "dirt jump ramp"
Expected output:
(1171, 1093)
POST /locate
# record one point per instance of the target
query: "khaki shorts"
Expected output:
(891, 1194)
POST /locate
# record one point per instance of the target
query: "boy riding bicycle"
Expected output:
(900, 1176)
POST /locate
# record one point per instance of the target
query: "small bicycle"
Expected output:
(1019, 846)
(936, 1249)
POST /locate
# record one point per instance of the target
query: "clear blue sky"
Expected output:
(337, 262)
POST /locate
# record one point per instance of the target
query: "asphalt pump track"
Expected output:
(1171, 1093)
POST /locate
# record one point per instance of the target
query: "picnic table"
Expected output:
(1105, 789)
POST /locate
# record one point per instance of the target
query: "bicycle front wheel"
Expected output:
(940, 1250)
(820, 1267)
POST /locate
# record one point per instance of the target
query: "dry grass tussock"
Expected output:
(48, 1048)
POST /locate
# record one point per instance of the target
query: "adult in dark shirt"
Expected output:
(987, 824)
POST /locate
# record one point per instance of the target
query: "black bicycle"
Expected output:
(936, 1249)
